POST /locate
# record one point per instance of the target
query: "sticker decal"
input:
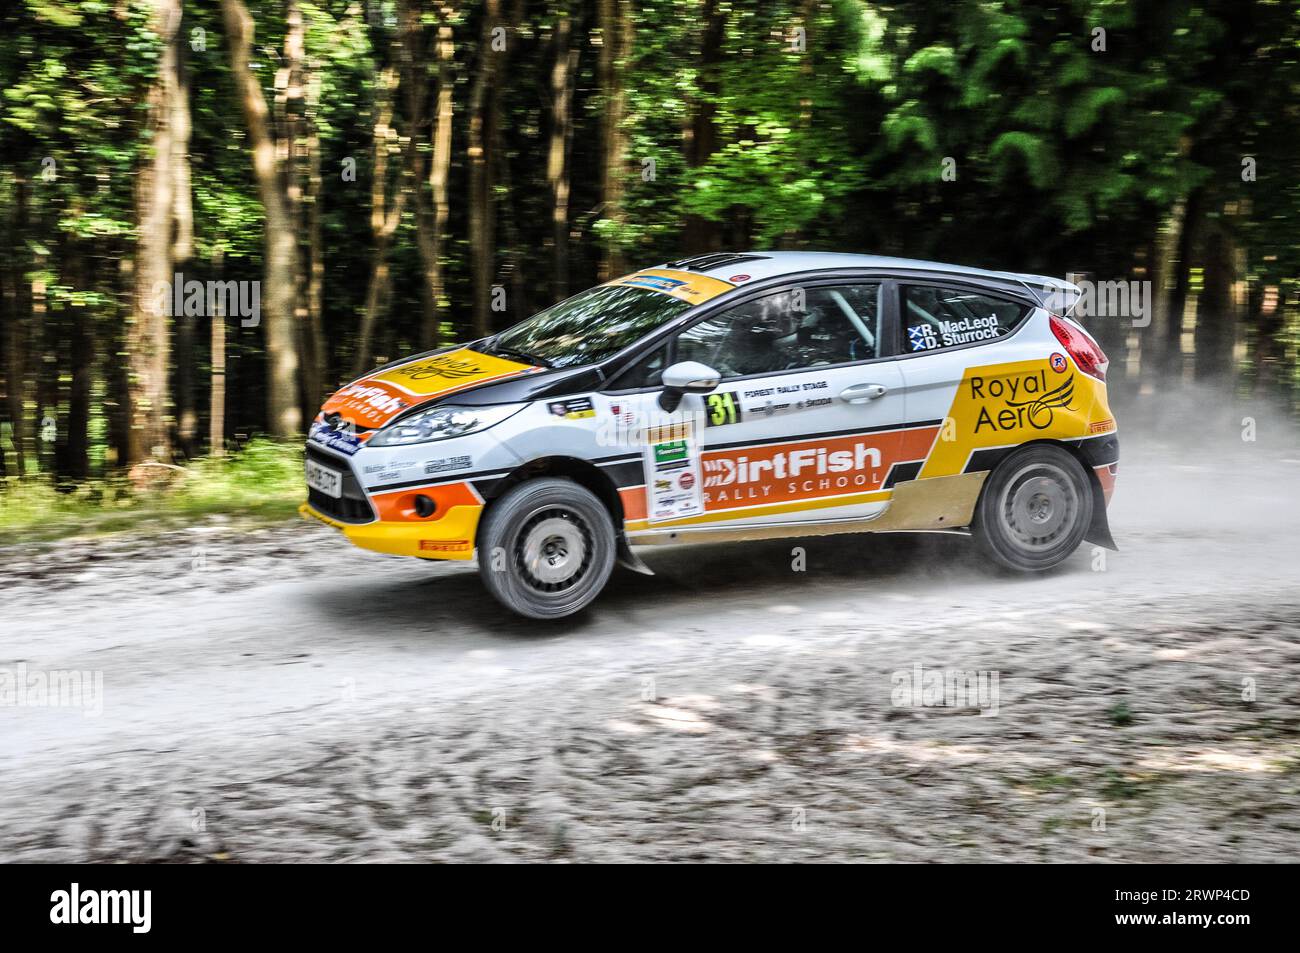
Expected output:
(722, 409)
(967, 330)
(1036, 407)
(926, 337)
(1058, 362)
(373, 401)
(445, 545)
(576, 408)
(782, 398)
(922, 338)
(454, 369)
(1102, 426)
(344, 441)
(672, 470)
(998, 405)
(462, 462)
(682, 285)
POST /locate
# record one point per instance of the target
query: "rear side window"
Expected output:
(947, 317)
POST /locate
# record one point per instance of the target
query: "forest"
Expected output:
(214, 212)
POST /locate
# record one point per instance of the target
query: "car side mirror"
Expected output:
(686, 377)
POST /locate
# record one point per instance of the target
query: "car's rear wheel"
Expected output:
(1034, 509)
(546, 548)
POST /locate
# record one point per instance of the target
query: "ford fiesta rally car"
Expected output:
(730, 397)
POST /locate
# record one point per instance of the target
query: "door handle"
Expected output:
(861, 393)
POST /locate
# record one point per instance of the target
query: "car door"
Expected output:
(953, 333)
(807, 422)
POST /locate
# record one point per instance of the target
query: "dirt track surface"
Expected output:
(276, 694)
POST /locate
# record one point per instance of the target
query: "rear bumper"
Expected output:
(451, 536)
(1101, 456)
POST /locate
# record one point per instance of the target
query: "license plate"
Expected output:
(329, 482)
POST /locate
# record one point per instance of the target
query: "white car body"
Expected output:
(901, 439)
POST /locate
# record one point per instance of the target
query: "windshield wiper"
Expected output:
(522, 355)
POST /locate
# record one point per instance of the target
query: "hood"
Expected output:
(371, 402)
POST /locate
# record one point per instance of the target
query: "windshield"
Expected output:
(590, 326)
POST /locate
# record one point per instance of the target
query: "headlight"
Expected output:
(439, 423)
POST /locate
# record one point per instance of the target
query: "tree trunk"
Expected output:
(317, 353)
(415, 76)
(615, 23)
(481, 206)
(294, 143)
(1170, 347)
(385, 217)
(82, 360)
(557, 161)
(183, 247)
(5, 324)
(1216, 312)
(147, 340)
(1269, 319)
(1165, 268)
(46, 368)
(440, 163)
(284, 415)
(699, 234)
(17, 326)
(117, 404)
(499, 175)
(217, 393)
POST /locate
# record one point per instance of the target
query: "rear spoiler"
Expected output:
(1053, 294)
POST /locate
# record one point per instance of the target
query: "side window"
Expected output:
(944, 317)
(802, 327)
(648, 371)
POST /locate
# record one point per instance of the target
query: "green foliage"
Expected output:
(262, 480)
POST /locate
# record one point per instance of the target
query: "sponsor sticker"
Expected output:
(997, 405)
(1102, 426)
(576, 408)
(343, 441)
(1058, 362)
(1013, 403)
(450, 371)
(373, 401)
(678, 284)
(672, 465)
(444, 545)
(443, 464)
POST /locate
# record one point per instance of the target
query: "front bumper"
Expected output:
(449, 537)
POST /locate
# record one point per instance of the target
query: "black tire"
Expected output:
(546, 548)
(1034, 509)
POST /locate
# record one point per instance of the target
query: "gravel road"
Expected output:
(272, 694)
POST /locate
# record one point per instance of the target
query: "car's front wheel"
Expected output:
(1034, 509)
(546, 548)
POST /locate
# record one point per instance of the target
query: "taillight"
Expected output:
(1080, 345)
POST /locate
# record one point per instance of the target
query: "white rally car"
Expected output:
(730, 397)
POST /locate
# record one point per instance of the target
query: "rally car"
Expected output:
(731, 397)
